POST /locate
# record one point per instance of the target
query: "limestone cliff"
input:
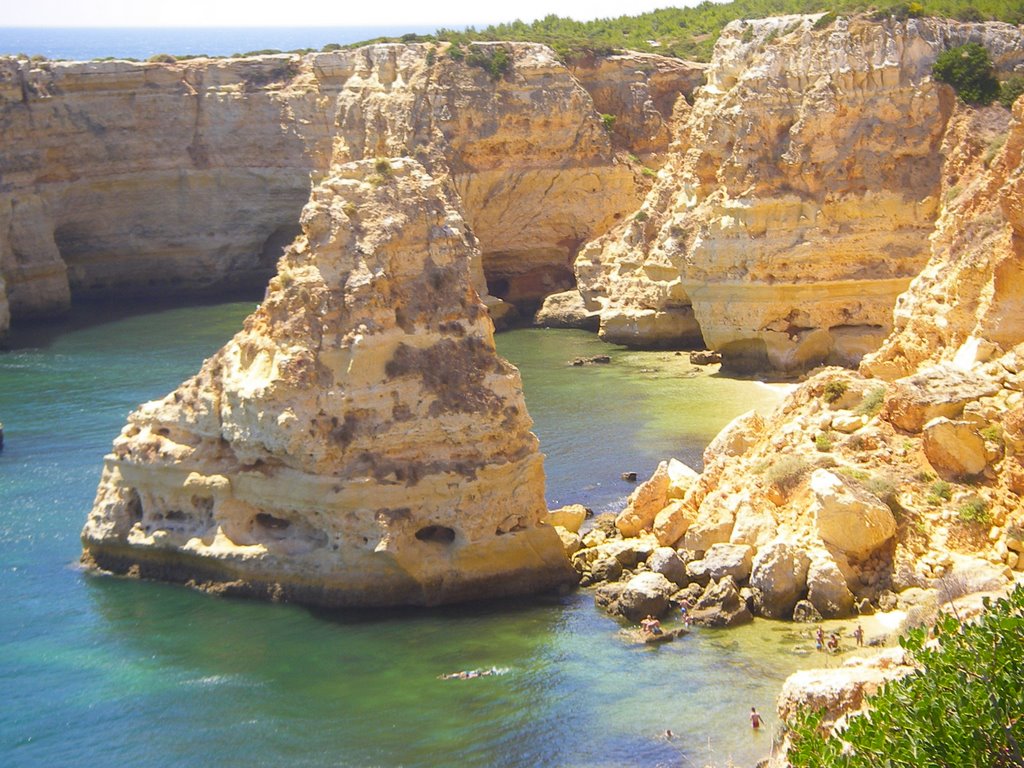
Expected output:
(909, 475)
(134, 179)
(799, 197)
(358, 442)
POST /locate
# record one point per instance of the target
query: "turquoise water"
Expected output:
(110, 672)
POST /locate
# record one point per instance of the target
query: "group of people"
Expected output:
(832, 645)
(650, 626)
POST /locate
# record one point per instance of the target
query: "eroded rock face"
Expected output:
(358, 442)
(907, 473)
(799, 198)
(134, 179)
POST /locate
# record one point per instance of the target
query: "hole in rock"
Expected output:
(436, 533)
(271, 522)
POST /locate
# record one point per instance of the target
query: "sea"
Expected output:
(83, 44)
(111, 672)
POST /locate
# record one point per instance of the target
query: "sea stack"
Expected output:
(359, 442)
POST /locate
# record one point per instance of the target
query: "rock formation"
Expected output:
(358, 442)
(799, 196)
(135, 179)
(908, 474)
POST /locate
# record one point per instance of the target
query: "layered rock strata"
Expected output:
(864, 488)
(799, 198)
(135, 179)
(359, 442)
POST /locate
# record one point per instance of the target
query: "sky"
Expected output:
(307, 13)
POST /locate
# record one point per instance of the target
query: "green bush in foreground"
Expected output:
(964, 708)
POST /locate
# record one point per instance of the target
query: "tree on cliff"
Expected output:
(968, 69)
(964, 708)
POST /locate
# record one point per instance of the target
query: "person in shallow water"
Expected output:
(755, 718)
(650, 626)
(858, 635)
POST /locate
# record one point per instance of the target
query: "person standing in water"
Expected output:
(755, 718)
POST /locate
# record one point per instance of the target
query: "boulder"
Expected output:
(566, 310)
(672, 522)
(847, 422)
(847, 517)
(715, 520)
(607, 595)
(827, 590)
(646, 594)
(954, 447)
(942, 390)
(804, 612)
(645, 503)
(606, 568)
(721, 560)
(737, 436)
(755, 523)
(571, 542)
(705, 357)
(680, 478)
(780, 573)
(665, 561)
(570, 517)
(721, 606)
(629, 552)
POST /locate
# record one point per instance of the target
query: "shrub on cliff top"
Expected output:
(1010, 89)
(964, 707)
(968, 69)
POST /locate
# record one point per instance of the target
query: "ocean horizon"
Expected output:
(86, 43)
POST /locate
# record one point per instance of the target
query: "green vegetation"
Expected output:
(939, 492)
(968, 69)
(963, 708)
(494, 60)
(785, 471)
(608, 121)
(688, 33)
(993, 432)
(834, 390)
(872, 402)
(162, 58)
(640, 216)
(974, 511)
(823, 442)
(691, 33)
(1010, 89)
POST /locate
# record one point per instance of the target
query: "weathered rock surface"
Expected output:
(644, 503)
(721, 560)
(780, 573)
(566, 310)
(954, 447)
(798, 200)
(134, 179)
(840, 691)
(721, 606)
(358, 442)
(849, 518)
(646, 594)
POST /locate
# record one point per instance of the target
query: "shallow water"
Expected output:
(111, 672)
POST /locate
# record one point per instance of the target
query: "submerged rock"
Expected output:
(359, 442)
